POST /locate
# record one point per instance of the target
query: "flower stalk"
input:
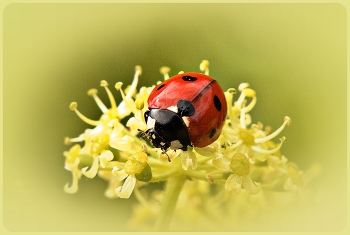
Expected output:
(171, 194)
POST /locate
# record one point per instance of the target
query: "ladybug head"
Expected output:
(166, 129)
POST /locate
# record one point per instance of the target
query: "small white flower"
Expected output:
(113, 183)
(91, 171)
(105, 157)
(121, 143)
(234, 182)
(76, 175)
(188, 159)
(135, 164)
(127, 188)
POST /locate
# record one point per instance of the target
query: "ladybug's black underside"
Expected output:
(169, 128)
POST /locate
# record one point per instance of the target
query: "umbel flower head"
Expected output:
(245, 157)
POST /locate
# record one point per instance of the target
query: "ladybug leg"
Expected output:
(143, 133)
(147, 135)
(164, 152)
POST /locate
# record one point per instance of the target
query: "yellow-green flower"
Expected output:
(245, 158)
(240, 167)
(133, 166)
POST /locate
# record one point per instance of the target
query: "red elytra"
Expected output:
(195, 99)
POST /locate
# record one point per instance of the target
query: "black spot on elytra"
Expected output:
(212, 133)
(160, 87)
(189, 78)
(217, 103)
(185, 108)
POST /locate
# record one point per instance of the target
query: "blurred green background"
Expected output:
(293, 55)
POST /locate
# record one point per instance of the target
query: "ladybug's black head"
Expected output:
(166, 129)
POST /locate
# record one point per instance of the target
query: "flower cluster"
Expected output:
(244, 157)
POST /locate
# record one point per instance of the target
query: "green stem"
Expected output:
(204, 175)
(172, 190)
(163, 176)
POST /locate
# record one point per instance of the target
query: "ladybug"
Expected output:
(188, 109)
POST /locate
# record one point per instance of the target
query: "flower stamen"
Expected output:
(104, 84)
(138, 72)
(204, 67)
(251, 105)
(287, 122)
(68, 140)
(100, 104)
(242, 116)
(127, 105)
(73, 106)
(241, 98)
(270, 151)
(229, 96)
(165, 71)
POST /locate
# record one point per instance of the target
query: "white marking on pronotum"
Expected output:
(173, 108)
(175, 144)
(186, 120)
(151, 122)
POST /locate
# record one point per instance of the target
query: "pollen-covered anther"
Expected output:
(67, 141)
(92, 92)
(231, 90)
(288, 120)
(243, 86)
(283, 139)
(204, 66)
(118, 85)
(248, 92)
(138, 69)
(164, 70)
(103, 83)
(73, 106)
